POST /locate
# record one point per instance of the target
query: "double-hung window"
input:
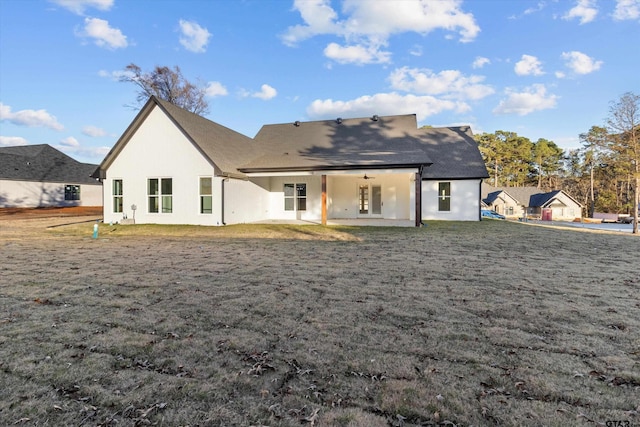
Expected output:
(160, 195)
(206, 195)
(444, 196)
(118, 201)
(295, 197)
(71, 192)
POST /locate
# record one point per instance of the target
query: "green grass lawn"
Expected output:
(489, 323)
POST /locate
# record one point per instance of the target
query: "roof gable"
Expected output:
(222, 147)
(545, 199)
(43, 163)
(500, 194)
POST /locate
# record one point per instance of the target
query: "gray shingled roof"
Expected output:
(43, 163)
(330, 144)
(360, 143)
(454, 152)
(226, 148)
(539, 200)
(521, 194)
(367, 143)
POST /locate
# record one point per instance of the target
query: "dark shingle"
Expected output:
(454, 152)
(348, 143)
(43, 163)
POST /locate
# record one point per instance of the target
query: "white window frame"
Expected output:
(161, 196)
(118, 199)
(299, 202)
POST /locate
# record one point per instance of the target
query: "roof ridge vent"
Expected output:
(296, 123)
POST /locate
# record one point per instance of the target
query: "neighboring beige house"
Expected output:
(503, 203)
(40, 176)
(174, 167)
(554, 205)
(517, 202)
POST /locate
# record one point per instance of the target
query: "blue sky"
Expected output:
(544, 69)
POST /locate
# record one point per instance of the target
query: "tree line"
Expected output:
(602, 174)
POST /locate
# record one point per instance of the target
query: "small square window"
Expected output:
(72, 192)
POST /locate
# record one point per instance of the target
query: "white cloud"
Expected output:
(627, 9)
(368, 25)
(30, 118)
(194, 37)
(319, 18)
(115, 75)
(94, 154)
(480, 62)
(216, 89)
(450, 83)
(78, 6)
(103, 34)
(266, 92)
(356, 54)
(581, 63)
(93, 131)
(383, 104)
(560, 74)
(584, 10)
(528, 65)
(70, 142)
(10, 141)
(532, 99)
(416, 50)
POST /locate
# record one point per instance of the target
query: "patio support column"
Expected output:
(324, 199)
(419, 197)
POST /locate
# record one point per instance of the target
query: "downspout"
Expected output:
(222, 201)
(480, 201)
(418, 206)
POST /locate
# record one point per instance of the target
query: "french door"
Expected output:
(369, 200)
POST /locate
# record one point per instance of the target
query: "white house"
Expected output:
(174, 167)
(34, 176)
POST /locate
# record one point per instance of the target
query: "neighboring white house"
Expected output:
(41, 176)
(174, 167)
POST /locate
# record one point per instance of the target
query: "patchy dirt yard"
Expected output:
(490, 323)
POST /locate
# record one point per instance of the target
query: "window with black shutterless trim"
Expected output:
(444, 196)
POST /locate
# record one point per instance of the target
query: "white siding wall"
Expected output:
(563, 208)
(314, 198)
(246, 201)
(465, 201)
(29, 194)
(159, 150)
(396, 195)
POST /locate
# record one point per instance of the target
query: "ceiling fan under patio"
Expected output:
(368, 177)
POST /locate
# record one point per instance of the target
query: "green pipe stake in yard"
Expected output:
(95, 230)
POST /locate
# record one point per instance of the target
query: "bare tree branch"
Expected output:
(167, 84)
